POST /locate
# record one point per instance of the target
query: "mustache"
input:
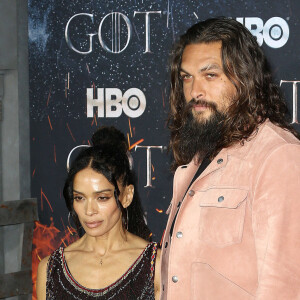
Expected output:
(202, 102)
(187, 111)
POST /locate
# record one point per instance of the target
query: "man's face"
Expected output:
(204, 81)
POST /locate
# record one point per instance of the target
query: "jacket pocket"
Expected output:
(208, 284)
(222, 215)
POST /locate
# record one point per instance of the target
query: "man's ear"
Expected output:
(128, 195)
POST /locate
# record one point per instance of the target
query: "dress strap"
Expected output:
(153, 259)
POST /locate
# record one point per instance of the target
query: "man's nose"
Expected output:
(198, 90)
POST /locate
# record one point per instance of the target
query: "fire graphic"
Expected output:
(45, 240)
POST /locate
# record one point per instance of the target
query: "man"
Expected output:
(234, 220)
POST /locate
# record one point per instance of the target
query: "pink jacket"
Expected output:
(237, 234)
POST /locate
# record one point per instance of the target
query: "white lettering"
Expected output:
(295, 99)
(132, 103)
(67, 37)
(275, 33)
(113, 105)
(147, 27)
(149, 162)
(98, 102)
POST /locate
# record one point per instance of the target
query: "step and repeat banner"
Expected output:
(98, 62)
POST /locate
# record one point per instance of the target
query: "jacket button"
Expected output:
(179, 234)
(220, 160)
(220, 199)
(175, 279)
(191, 193)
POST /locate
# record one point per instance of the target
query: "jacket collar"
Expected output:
(242, 150)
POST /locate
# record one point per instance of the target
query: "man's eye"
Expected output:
(211, 75)
(185, 77)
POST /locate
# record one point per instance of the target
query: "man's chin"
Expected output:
(201, 134)
(202, 117)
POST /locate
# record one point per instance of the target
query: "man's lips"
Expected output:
(200, 107)
(93, 224)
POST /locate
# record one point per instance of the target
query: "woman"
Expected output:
(113, 259)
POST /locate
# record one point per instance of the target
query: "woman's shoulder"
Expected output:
(78, 245)
(142, 246)
(42, 267)
(42, 278)
(48, 260)
(136, 241)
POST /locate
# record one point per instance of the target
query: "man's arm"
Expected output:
(276, 217)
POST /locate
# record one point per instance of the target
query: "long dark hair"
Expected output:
(245, 64)
(109, 156)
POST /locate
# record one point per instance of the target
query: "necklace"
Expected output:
(101, 261)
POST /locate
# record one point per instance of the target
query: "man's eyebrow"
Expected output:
(204, 68)
(182, 70)
(210, 67)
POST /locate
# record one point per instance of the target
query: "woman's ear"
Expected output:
(127, 195)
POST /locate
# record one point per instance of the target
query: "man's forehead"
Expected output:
(202, 51)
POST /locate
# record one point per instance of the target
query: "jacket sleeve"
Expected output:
(276, 218)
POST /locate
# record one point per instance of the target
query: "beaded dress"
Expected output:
(135, 284)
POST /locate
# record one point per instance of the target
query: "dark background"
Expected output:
(59, 78)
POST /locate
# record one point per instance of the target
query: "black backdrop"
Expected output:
(114, 50)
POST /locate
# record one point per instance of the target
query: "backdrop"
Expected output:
(100, 62)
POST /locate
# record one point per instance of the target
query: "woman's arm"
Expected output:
(157, 276)
(41, 279)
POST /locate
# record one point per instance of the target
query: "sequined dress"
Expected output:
(135, 284)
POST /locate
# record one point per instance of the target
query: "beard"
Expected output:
(200, 138)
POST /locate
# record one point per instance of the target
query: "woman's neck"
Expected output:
(111, 241)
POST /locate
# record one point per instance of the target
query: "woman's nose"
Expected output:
(91, 207)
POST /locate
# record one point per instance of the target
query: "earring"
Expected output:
(127, 219)
(69, 215)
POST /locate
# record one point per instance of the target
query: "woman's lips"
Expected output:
(93, 224)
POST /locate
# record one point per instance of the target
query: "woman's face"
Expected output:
(95, 204)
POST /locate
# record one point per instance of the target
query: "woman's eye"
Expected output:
(77, 198)
(103, 198)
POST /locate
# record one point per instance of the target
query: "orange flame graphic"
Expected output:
(45, 240)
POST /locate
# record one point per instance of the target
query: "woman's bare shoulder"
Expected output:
(43, 263)
(136, 241)
(75, 246)
(42, 278)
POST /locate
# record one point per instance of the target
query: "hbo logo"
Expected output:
(111, 103)
(275, 32)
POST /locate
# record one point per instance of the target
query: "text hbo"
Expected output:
(111, 103)
(275, 32)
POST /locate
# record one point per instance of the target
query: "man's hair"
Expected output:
(244, 63)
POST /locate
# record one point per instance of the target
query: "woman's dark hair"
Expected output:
(108, 156)
(244, 63)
